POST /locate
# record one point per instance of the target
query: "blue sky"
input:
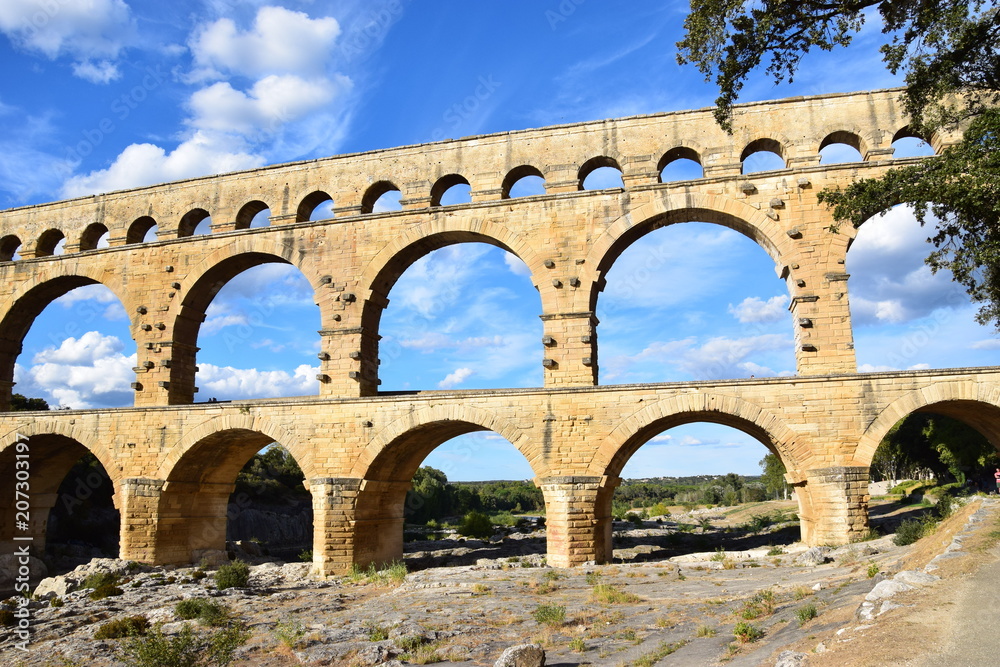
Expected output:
(106, 94)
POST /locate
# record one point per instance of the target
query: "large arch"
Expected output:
(52, 448)
(201, 286)
(389, 461)
(388, 266)
(22, 309)
(199, 474)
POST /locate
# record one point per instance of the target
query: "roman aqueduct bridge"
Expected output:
(174, 462)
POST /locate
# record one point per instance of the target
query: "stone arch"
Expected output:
(199, 474)
(388, 266)
(92, 235)
(516, 174)
(310, 203)
(767, 145)
(444, 184)
(47, 242)
(639, 427)
(190, 221)
(677, 208)
(8, 246)
(593, 164)
(247, 212)
(976, 404)
(200, 287)
(373, 193)
(19, 312)
(856, 139)
(138, 229)
(54, 448)
(677, 153)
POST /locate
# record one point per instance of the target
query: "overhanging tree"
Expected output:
(948, 52)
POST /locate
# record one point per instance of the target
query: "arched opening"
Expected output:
(451, 189)
(68, 341)
(51, 242)
(237, 484)
(253, 214)
(315, 206)
(72, 516)
(253, 322)
(903, 315)
(94, 236)
(522, 181)
(677, 468)
(9, 248)
(381, 197)
(841, 147)
(680, 164)
(907, 143)
(657, 324)
(195, 222)
(450, 485)
(462, 314)
(762, 155)
(938, 452)
(142, 230)
(601, 173)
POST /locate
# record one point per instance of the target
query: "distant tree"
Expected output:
(20, 403)
(774, 476)
(942, 445)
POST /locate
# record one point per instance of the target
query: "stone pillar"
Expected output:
(570, 349)
(821, 315)
(562, 178)
(379, 517)
(139, 508)
(577, 521)
(334, 500)
(348, 362)
(833, 504)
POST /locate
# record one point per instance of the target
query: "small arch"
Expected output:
(248, 215)
(447, 190)
(142, 230)
(49, 243)
(679, 164)
(193, 223)
(909, 143)
(763, 155)
(841, 147)
(373, 201)
(312, 204)
(94, 236)
(598, 173)
(522, 181)
(9, 245)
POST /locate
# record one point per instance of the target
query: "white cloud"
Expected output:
(754, 309)
(516, 265)
(988, 344)
(281, 42)
(92, 32)
(454, 379)
(228, 383)
(87, 349)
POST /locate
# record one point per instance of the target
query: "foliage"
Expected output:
(935, 443)
(806, 613)
(609, 594)
(7, 618)
(476, 524)
(185, 649)
(20, 403)
(949, 51)
(289, 632)
(773, 477)
(661, 652)
(232, 575)
(127, 626)
(208, 612)
(434, 498)
(550, 614)
(105, 591)
(747, 632)
(272, 476)
(873, 569)
(909, 532)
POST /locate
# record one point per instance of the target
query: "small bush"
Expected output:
(99, 579)
(232, 575)
(872, 570)
(306, 555)
(289, 632)
(550, 614)
(123, 627)
(56, 602)
(206, 611)
(908, 532)
(776, 551)
(185, 649)
(7, 618)
(476, 524)
(105, 591)
(377, 633)
(747, 632)
(577, 645)
(608, 594)
(806, 613)
(719, 555)
(705, 631)
(634, 519)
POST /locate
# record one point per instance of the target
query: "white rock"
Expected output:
(523, 655)
(914, 578)
(886, 589)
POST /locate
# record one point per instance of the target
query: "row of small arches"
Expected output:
(601, 172)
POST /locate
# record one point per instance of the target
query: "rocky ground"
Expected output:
(464, 603)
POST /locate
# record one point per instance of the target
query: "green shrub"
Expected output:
(56, 602)
(185, 649)
(232, 575)
(633, 519)
(608, 594)
(123, 627)
(306, 555)
(206, 611)
(289, 632)
(806, 613)
(100, 579)
(7, 618)
(377, 633)
(105, 591)
(476, 524)
(747, 632)
(550, 614)
(908, 532)
(872, 570)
